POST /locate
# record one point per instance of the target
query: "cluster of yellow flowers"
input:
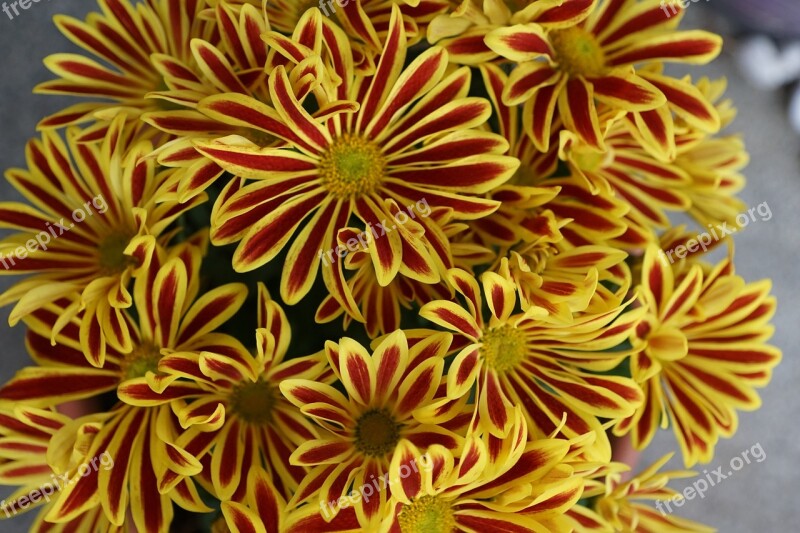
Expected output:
(485, 188)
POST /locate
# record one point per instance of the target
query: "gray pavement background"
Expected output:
(760, 497)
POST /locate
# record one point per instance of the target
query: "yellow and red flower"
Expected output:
(496, 484)
(701, 352)
(234, 410)
(141, 440)
(106, 207)
(363, 429)
(404, 144)
(618, 505)
(535, 361)
(573, 68)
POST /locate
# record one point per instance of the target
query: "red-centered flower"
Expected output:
(404, 144)
(535, 361)
(235, 408)
(363, 430)
(702, 352)
(573, 68)
(93, 216)
(141, 440)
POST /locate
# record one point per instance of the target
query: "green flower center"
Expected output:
(377, 433)
(503, 348)
(111, 254)
(143, 359)
(577, 52)
(352, 167)
(254, 402)
(427, 514)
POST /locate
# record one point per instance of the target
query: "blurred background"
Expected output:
(761, 60)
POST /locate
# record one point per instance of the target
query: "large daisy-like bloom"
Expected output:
(363, 430)
(624, 506)
(573, 68)
(91, 221)
(125, 43)
(496, 485)
(701, 352)
(141, 440)
(537, 362)
(403, 145)
(235, 408)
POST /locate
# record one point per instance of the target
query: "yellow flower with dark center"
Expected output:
(112, 205)
(363, 432)
(140, 432)
(232, 402)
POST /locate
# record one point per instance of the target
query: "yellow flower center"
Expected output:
(427, 514)
(144, 358)
(253, 402)
(537, 255)
(352, 167)
(577, 52)
(503, 348)
(111, 254)
(377, 433)
(590, 160)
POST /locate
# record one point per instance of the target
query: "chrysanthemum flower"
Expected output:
(93, 217)
(141, 440)
(364, 428)
(463, 30)
(122, 40)
(550, 270)
(573, 67)
(535, 361)
(403, 145)
(237, 63)
(621, 506)
(701, 352)
(27, 433)
(627, 171)
(496, 485)
(235, 407)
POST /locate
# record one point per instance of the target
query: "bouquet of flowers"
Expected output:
(375, 265)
